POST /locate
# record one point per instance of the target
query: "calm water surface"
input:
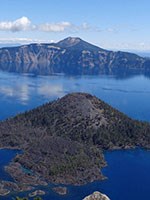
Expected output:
(128, 171)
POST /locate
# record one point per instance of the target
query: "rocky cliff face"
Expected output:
(96, 196)
(69, 56)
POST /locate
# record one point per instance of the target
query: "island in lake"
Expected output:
(63, 141)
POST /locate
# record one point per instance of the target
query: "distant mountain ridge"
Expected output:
(70, 56)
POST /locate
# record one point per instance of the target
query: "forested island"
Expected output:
(63, 141)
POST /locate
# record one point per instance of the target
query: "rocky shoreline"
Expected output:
(25, 180)
(60, 190)
(37, 193)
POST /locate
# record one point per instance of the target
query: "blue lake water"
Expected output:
(127, 171)
(5, 156)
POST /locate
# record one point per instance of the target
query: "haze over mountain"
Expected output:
(2, 45)
(69, 56)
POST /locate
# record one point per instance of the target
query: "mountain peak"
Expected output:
(77, 43)
(73, 39)
(69, 42)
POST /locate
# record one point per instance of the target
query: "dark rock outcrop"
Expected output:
(70, 56)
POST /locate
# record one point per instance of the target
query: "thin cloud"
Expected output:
(21, 24)
(54, 27)
(23, 41)
(25, 24)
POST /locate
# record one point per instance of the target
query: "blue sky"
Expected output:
(112, 24)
